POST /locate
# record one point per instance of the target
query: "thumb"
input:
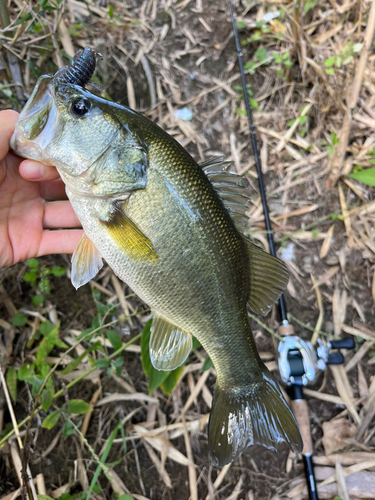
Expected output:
(8, 120)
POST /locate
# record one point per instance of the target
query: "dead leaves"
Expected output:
(335, 434)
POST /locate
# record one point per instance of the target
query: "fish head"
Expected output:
(82, 135)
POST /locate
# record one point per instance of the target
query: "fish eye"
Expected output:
(80, 107)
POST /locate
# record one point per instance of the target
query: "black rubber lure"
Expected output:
(81, 69)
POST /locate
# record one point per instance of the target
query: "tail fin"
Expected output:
(257, 415)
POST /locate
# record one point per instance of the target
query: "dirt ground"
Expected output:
(160, 58)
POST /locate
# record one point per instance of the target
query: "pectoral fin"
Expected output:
(129, 237)
(169, 346)
(86, 262)
(268, 279)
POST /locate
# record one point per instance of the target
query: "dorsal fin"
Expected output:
(215, 164)
(268, 275)
(268, 278)
(231, 189)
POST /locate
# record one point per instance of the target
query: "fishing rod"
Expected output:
(299, 361)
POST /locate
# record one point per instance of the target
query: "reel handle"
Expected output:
(347, 343)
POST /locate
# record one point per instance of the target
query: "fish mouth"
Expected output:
(36, 124)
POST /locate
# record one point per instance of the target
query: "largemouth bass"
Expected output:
(170, 229)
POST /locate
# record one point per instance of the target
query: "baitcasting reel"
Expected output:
(300, 362)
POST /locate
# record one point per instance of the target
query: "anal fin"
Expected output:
(169, 346)
(86, 262)
(129, 237)
(268, 279)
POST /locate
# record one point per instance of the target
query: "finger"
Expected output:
(8, 119)
(32, 170)
(53, 190)
(59, 214)
(55, 242)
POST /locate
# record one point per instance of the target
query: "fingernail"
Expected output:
(33, 170)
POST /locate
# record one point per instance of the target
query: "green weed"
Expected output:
(284, 61)
(343, 59)
(302, 122)
(265, 32)
(367, 176)
(309, 5)
(38, 278)
(330, 144)
(253, 102)
(36, 373)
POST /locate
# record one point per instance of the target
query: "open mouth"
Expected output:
(33, 129)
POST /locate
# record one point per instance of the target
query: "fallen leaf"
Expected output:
(335, 433)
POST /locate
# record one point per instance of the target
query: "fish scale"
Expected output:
(164, 228)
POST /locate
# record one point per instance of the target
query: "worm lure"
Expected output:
(81, 69)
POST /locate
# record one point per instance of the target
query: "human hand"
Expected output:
(32, 203)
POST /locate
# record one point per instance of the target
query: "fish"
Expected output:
(173, 230)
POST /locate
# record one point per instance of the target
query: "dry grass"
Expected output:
(160, 57)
